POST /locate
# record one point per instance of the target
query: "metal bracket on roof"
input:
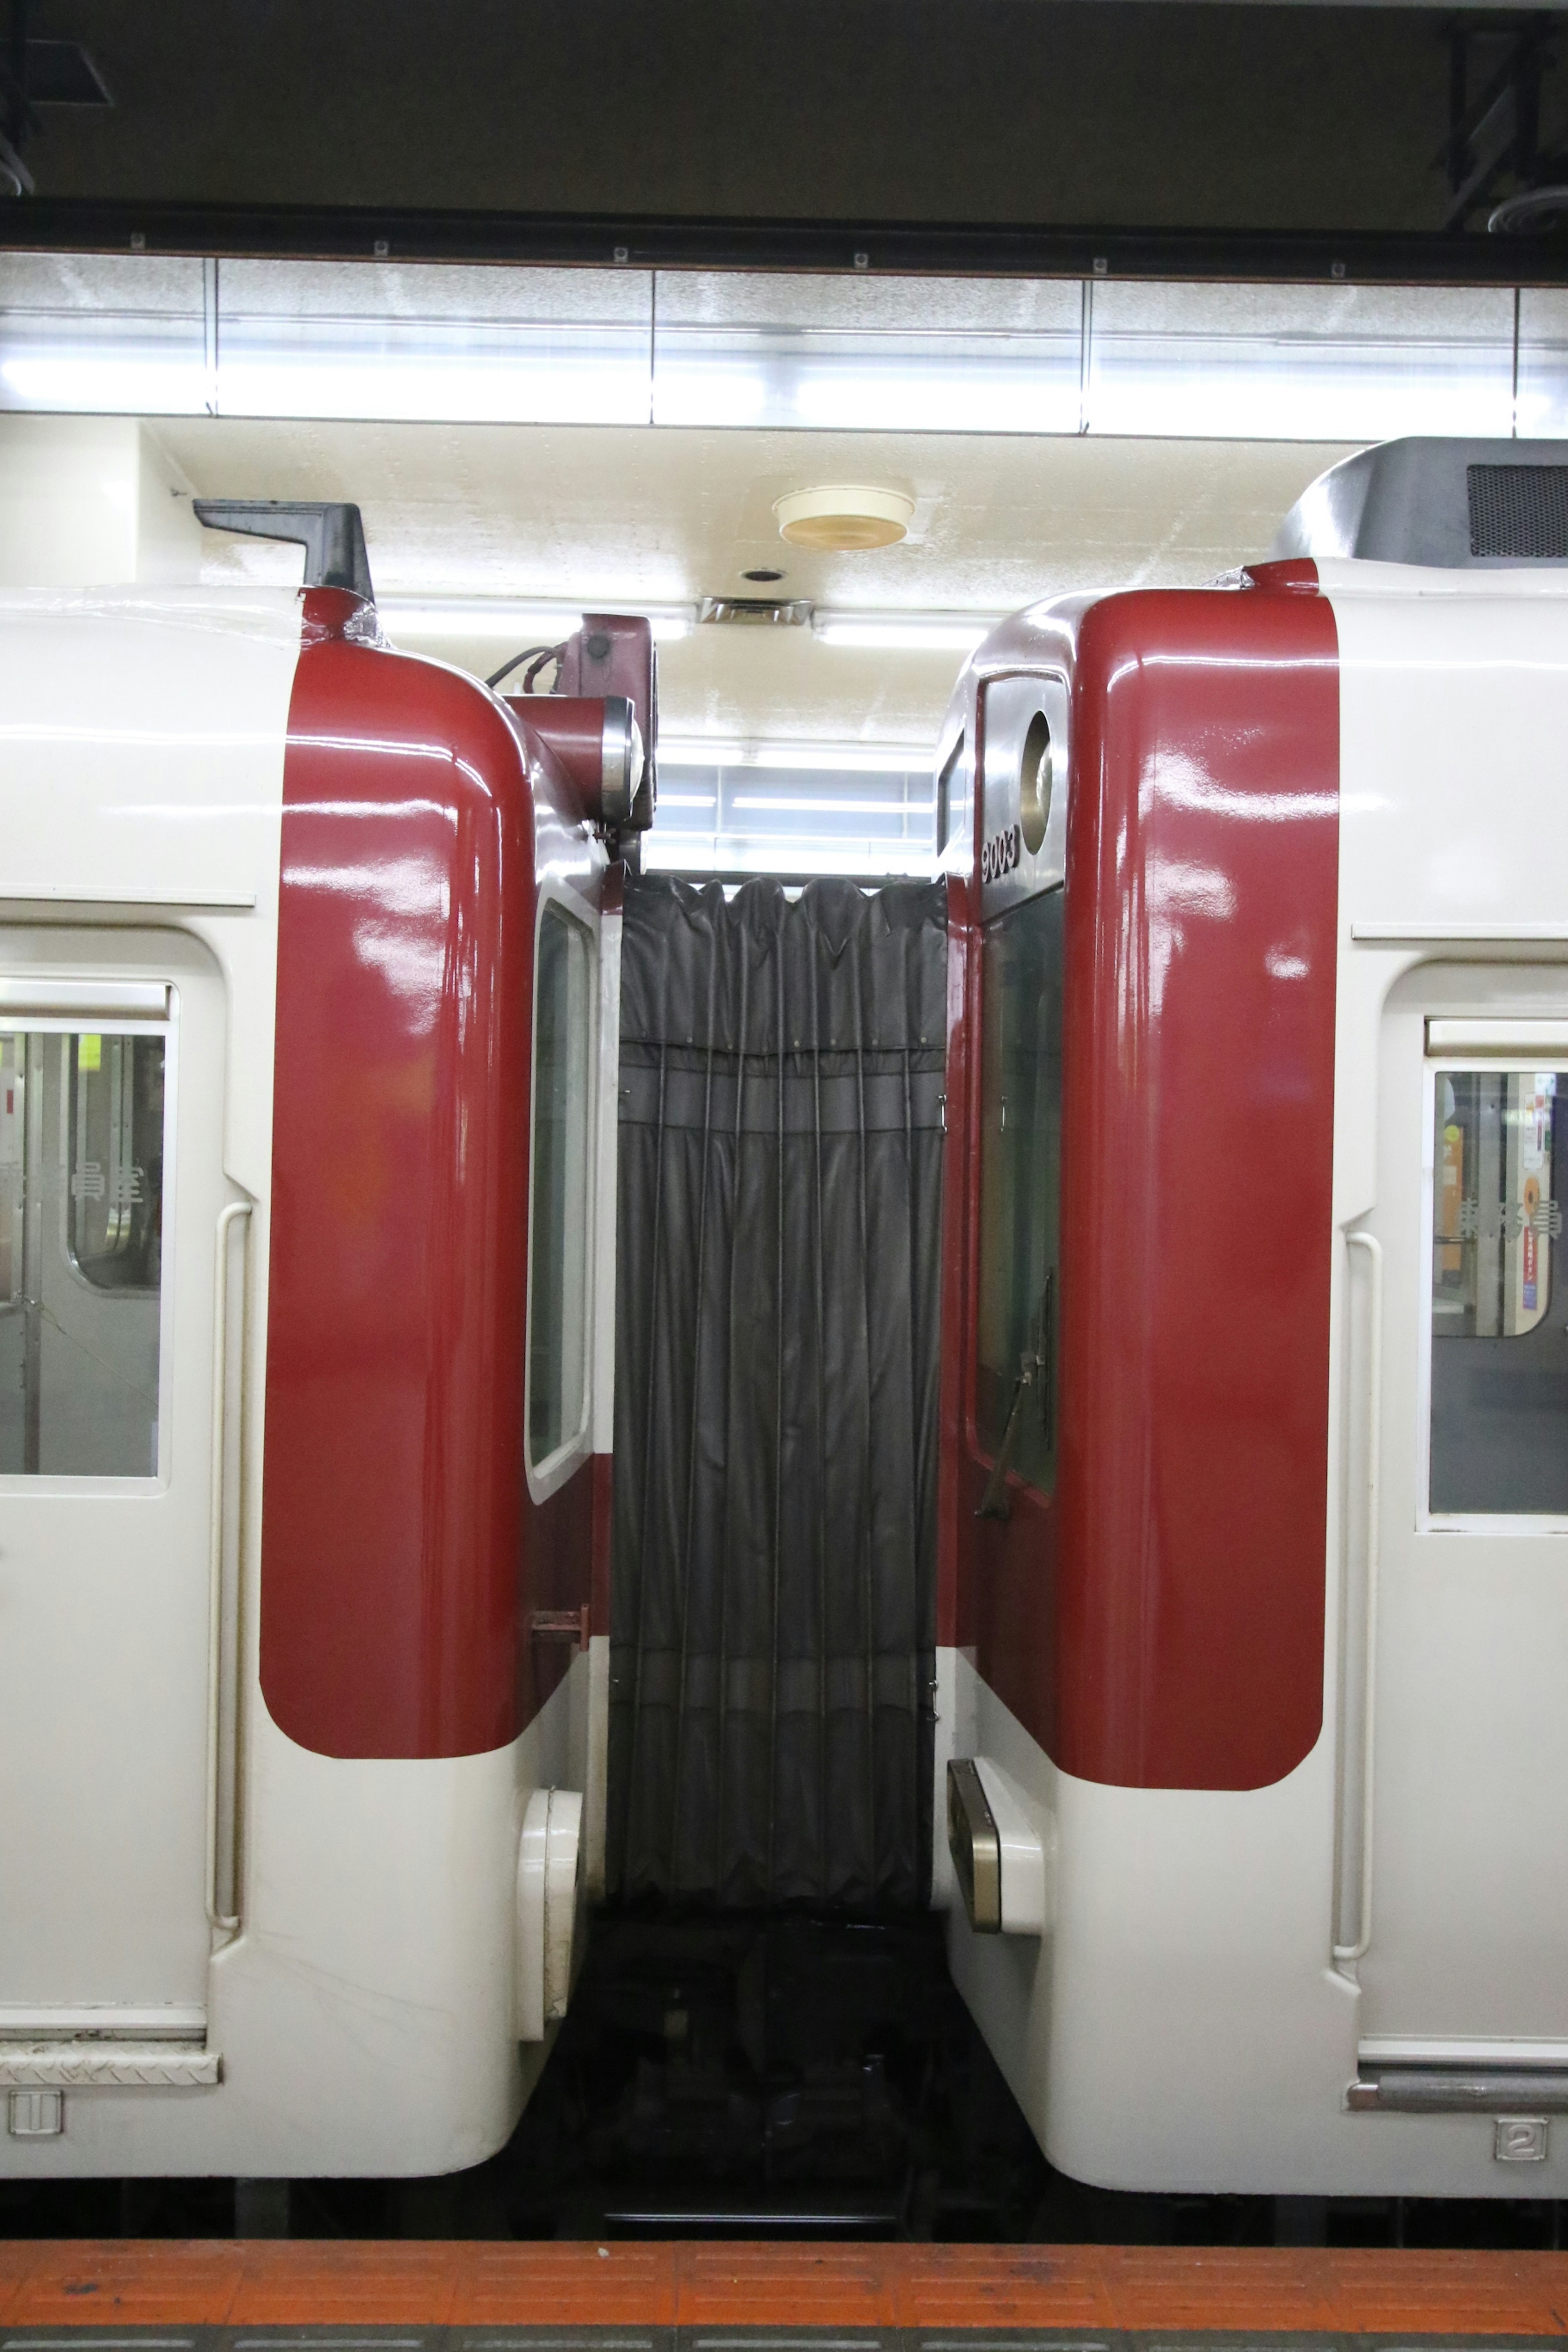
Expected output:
(331, 535)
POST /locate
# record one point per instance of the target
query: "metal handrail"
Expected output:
(227, 1922)
(1374, 1248)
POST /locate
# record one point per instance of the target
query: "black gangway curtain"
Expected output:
(772, 1626)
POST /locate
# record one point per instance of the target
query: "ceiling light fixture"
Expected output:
(844, 517)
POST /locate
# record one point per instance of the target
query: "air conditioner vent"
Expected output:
(1519, 510)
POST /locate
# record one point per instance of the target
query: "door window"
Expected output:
(1499, 1315)
(81, 1227)
(1020, 1180)
(558, 1267)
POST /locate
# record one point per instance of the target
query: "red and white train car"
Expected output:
(302, 1142)
(1253, 1541)
(1260, 1634)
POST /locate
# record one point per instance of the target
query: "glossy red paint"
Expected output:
(1198, 1111)
(400, 1553)
(1159, 1621)
(573, 725)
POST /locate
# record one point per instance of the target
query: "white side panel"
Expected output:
(1451, 696)
(143, 765)
(366, 2015)
(142, 738)
(1182, 2027)
(104, 1580)
(363, 2016)
(86, 502)
(1454, 713)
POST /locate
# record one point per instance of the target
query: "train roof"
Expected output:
(1446, 504)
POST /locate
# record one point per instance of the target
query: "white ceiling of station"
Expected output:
(608, 516)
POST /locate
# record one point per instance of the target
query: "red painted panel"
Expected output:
(399, 1550)
(1198, 1139)
(574, 729)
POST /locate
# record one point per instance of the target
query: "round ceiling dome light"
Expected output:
(844, 517)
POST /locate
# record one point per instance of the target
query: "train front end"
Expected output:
(1256, 1531)
(303, 1137)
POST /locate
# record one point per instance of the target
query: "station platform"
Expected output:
(215, 2295)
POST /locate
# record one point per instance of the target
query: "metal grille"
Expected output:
(1519, 510)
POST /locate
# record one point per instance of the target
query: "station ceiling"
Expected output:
(1048, 148)
(625, 516)
(1022, 114)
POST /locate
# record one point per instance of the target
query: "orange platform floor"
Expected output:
(93, 2289)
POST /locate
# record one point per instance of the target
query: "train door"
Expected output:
(110, 1196)
(1455, 1890)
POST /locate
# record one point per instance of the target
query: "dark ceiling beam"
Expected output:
(89, 225)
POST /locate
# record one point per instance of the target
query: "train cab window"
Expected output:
(81, 1229)
(558, 1261)
(1020, 1178)
(954, 817)
(1500, 1338)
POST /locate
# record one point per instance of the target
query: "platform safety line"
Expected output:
(333, 2285)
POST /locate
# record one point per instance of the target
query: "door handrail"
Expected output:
(227, 1922)
(1374, 1248)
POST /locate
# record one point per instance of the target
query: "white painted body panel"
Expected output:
(363, 2015)
(366, 2013)
(1454, 722)
(104, 1581)
(1182, 2025)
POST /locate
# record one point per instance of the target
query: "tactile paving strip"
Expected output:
(528, 2339)
(266, 2295)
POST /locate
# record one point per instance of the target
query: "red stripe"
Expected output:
(1198, 1113)
(1159, 1622)
(393, 1517)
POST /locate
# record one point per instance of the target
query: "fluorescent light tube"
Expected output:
(836, 759)
(503, 619)
(824, 804)
(905, 632)
(765, 854)
(106, 387)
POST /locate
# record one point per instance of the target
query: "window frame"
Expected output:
(17, 1021)
(1438, 1064)
(74, 1266)
(549, 1474)
(984, 1455)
